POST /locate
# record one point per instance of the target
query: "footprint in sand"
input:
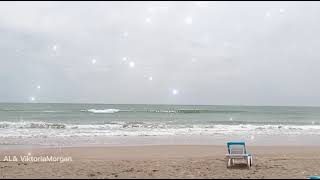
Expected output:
(91, 175)
(114, 174)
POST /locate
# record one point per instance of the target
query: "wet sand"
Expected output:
(161, 161)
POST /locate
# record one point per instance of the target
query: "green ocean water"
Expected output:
(43, 121)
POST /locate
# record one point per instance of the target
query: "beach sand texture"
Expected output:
(172, 161)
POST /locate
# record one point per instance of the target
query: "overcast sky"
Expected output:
(248, 53)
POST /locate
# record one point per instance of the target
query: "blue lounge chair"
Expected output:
(314, 177)
(237, 150)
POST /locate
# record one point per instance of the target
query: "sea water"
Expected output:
(61, 124)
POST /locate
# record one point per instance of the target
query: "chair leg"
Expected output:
(229, 163)
(248, 161)
(232, 161)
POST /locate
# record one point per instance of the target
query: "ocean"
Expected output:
(67, 124)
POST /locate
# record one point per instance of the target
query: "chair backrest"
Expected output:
(236, 148)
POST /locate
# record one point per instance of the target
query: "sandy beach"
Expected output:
(159, 90)
(171, 161)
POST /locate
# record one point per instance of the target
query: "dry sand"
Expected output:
(173, 161)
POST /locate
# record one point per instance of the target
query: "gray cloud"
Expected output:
(254, 53)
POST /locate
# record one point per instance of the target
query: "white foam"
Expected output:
(103, 110)
(23, 129)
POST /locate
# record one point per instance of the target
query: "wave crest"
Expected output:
(31, 125)
(103, 111)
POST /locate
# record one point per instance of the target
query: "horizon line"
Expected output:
(90, 103)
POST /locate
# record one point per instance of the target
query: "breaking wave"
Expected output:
(115, 110)
(31, 129)
(31, 125)
(108, 111)
(160, 111)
